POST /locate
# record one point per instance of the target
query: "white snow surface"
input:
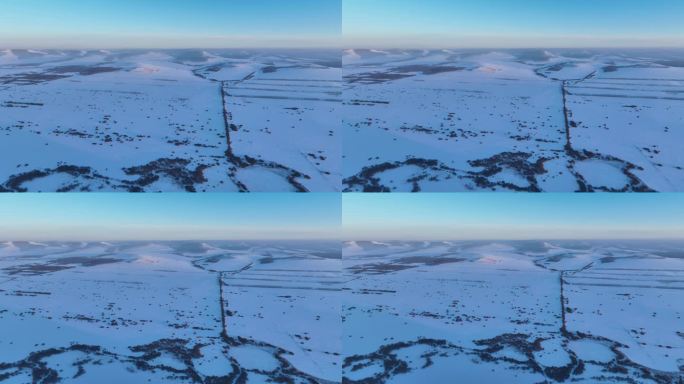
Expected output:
(365, 311)
(491, 312)
(185, 120)
(521, 120)
(170, 312)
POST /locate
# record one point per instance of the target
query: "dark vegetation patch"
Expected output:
(175, 169)
(37, 269)
(389, 358)
(83, 70)
(269, 69)
(429, 260)
(518, 162)
(399, 73)
(428, 69)
(368, 179)
(37, 363)
(20, 104)
(87, 261)
(368, 103)
(85, 179)
(103, 134)
(57, 73)
(29, 78)
(378, 268)
(15, 183)
(34, 269)
(374, 77)
(403, 264)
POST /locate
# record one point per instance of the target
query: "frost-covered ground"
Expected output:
(178, 312)
(188, 120)
(514, 312)
(523, 120)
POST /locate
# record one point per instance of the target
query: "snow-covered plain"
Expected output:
(521, 120)
(364, 312)
(183, 120)
(171, 312)
(514, 312)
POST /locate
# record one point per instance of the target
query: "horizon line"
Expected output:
(164, 48)
(344, 48)
(517, 47)
(160, 240)
(534, 239)
(348, 241)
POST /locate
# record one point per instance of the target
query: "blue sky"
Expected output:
(512, 23)
(169, 216)
(469, 216)
(474, 216)
(168, 23)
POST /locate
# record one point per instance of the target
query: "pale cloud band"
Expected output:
(165, 41)
(456, 41)
(487, 216)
